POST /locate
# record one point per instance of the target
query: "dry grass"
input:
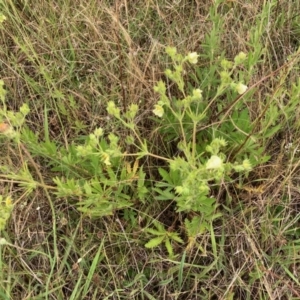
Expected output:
(70, 58)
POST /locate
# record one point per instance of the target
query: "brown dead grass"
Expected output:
(96, 51)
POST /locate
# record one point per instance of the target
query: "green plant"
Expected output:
(6, 207)
(67, 68)
(189, 180)
(97, 173)
(96, 177)
(162, 236)
(10, 124)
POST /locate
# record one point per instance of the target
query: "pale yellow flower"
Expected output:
(241, 88)
(158, 110)
(98, 132)
(215, 162)
(247, 165)
(240, 58)
(197, 94)
(242, 55)
(105, 158)
(192, 57)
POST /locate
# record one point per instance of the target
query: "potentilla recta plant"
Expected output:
(191, 175)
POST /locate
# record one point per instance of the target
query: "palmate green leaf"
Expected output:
(165, 175)
(164, 194)
(105, 209)
(196, 226)
(67, 187)
(155, 242)
(97, 186)
(102, 205)
(48, 149)
(242, 120)
(170, 178)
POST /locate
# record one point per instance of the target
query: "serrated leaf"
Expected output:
(159, 226)
(169, 247)
(215, 216)
(176, 238)
(195, 227)
(154, 232)
(164, 184)
(128, 167)
(165, 175)
(154, 242)
(135, 166)
(243, 121)
(164, 194)
(271, 131)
